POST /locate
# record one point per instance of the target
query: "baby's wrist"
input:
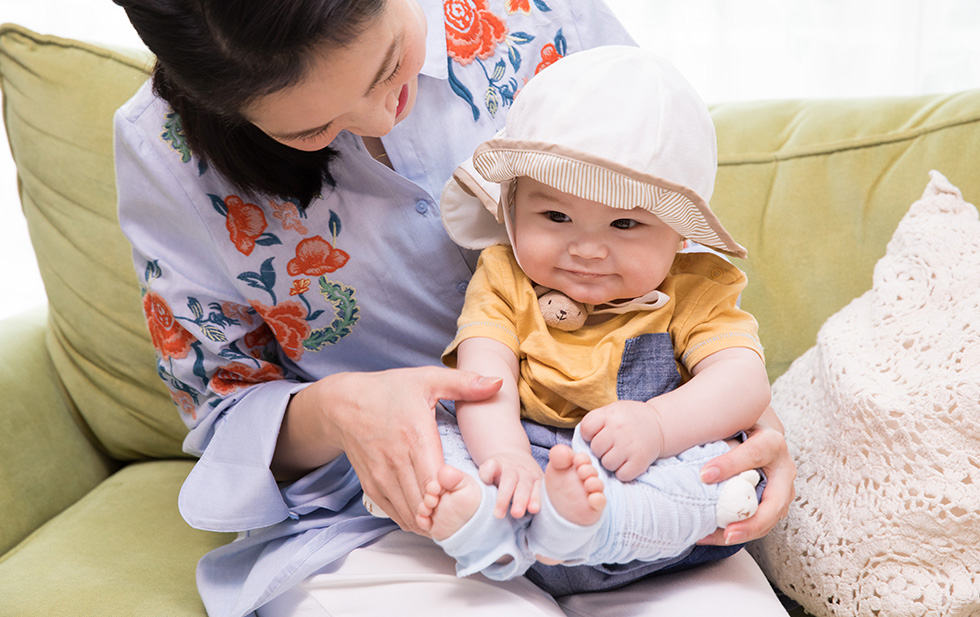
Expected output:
(657, 428)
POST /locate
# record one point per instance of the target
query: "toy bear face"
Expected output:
(561, 312)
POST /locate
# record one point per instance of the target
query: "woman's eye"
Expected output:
(394, 74)
(557, 217)
(317, 135)
(624, 223)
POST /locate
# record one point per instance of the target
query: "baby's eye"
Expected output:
(557, 217)
(624, 223)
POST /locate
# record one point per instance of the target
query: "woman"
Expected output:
(276, 182)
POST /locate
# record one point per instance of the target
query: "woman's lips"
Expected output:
(402, 101)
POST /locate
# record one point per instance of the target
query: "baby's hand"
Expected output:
(626, 437)
(517, 477)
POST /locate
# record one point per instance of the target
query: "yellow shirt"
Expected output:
(563, 375)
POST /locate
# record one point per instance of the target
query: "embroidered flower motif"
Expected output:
(472, 31)
(300, 286)
(259, 337)
(288, 322)
(245, 223)
(523, 6)
(549, 55)
(288, 214)
(185, 402)
(168, 336)
(236, 376)
(316, 256)
(237, 311)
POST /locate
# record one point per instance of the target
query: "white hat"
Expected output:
(617, 125)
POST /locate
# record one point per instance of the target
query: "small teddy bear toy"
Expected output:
(737, 499)
(560, 311)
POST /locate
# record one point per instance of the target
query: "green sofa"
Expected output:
(90, 444)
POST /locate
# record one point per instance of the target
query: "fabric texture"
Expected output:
(563, 375)
(883, 419)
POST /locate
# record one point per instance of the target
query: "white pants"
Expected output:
(407, 575)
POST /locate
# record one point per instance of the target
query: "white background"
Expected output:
(729, 50)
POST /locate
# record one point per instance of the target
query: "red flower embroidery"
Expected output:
(549, 55)
(259, 337)
(237, 311)
(288, 215)
(300, 286)
(315, 256)
(168, 336)
(245, 223)
(472, 31)
(288, 322)
(523, 6)
(235, 376)
(184, 402)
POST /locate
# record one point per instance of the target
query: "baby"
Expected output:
(604, 169)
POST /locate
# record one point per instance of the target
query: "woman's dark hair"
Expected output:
(213, 57)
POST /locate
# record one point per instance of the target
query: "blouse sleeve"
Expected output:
(217, 355)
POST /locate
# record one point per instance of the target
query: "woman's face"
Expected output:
(365, 88)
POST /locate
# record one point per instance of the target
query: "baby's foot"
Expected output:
(573, 486)
(448, 503)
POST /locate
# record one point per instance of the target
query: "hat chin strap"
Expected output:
(647, 302)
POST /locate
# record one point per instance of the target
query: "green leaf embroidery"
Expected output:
(174, 135)
(345, 305)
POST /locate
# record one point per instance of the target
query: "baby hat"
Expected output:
(618, 125)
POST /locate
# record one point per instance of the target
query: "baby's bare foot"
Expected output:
(573, 486)
(448, 503)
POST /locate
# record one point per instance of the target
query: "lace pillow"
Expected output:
(883, 419)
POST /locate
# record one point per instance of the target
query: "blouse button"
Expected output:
(421, 206)
(461, 287)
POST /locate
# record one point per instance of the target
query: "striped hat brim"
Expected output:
(590, 177)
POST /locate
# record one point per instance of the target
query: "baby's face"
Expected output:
(587, 250)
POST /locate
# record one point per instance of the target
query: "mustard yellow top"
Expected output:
(563, 375)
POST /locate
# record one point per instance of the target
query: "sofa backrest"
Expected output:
(59, 97)
(813, 189)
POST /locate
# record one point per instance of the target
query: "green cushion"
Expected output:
(47, 459)
(122, 550)
(59, 97)
(814, 189)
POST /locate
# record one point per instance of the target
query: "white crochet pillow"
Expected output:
(883, 419)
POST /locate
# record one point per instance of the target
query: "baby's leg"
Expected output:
(449, 502)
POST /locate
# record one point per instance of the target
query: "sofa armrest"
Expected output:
(47, 459)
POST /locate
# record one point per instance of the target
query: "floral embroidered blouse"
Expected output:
(247, 301)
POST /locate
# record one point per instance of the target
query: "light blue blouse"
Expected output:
(249, 300)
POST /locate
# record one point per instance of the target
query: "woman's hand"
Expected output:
(384, 422)
(764, 449)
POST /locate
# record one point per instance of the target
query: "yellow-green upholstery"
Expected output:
(814, 190)
(89, 439)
